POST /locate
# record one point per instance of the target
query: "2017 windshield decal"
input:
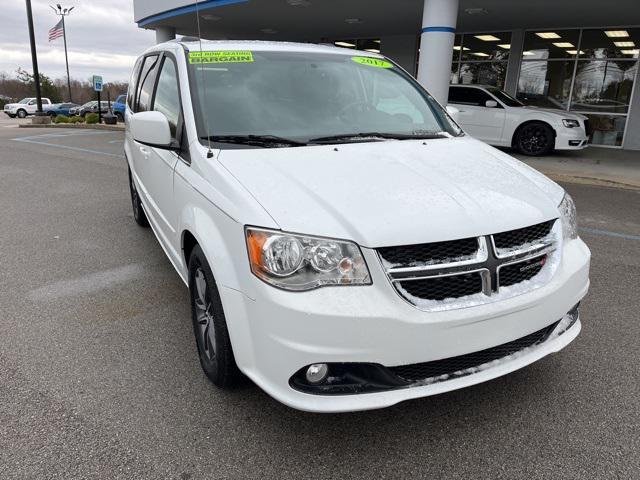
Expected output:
(221, 57)
(372, 62)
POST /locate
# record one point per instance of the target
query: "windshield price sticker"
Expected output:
(221, 57)
(372, 62)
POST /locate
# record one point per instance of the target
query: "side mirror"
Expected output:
(453, 111)
(491, 104)
(152, 129)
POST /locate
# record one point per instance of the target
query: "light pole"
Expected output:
(63, 12)
(34, 58)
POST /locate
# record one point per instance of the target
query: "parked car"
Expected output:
(119, 107)
(345, 244)
(61, 108)
(493, 116)
(90, 107)
(26, 106)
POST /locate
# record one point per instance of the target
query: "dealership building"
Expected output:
(575, 55)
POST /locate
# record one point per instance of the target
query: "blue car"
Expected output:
(61, 109)
(119, 107)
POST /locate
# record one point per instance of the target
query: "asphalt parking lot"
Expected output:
(99, 377)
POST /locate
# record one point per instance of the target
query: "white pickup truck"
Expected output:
(26, 106)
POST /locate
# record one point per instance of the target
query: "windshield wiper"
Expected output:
(373, 136)
(258, 140)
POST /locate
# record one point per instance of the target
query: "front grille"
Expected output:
(461, 365)
(446, 271)
(429, 253)
(522, 236)
(441, 288)
(519, 272)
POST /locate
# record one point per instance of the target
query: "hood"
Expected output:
(394, 192)
(559, 113)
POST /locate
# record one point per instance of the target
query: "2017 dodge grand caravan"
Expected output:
(345, 244)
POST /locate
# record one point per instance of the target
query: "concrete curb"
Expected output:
(584, 180)
(79, 126)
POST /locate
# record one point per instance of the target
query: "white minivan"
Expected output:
(345, 244)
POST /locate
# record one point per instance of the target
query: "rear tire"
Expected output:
(22, 114)
(138, 212)
(209, 323)
(535, 139)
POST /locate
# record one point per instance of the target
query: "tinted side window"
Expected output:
(468, 96)
(167, 98)
(145, 84)
(133, 83)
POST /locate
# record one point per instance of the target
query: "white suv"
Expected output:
(26, 106)
(495, 117)
(345, 245)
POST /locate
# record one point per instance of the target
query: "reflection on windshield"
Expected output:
(302, 96)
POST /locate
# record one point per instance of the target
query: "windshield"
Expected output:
(306, 96)
(24, 100)
(505, 98)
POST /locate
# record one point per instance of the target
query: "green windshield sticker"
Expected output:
(221, 57)
(372, 62)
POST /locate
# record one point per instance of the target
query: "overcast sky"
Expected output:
(102, 38)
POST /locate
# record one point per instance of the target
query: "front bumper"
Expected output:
(571, 138)
(277, 333)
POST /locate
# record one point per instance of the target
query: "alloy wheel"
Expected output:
(534, 139)
(204, 315)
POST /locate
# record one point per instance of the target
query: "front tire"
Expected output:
(535, 139)
(138, 212)
(22, 114)
(209, 323)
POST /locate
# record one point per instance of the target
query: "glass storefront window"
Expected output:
(545, 84)
(483, 73)
(598, 43)
(486, 46)
(546, 44)
(606, 129)
(603, 86)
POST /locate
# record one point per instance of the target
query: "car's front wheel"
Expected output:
(22, 114)
(209, 323)
(138, 212)
(535, 139)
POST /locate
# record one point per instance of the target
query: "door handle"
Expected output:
(144, 151)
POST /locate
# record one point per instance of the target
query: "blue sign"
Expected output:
(97, 83)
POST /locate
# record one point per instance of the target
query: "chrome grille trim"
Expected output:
(487, 262)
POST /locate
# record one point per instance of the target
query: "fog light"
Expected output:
(317, 373)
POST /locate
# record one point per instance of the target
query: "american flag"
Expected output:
(56, 32)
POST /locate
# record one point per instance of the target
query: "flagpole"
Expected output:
(63, 12)
(66, 58)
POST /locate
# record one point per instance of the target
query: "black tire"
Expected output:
(138, 212)
(535, 139)
(209, 323)
(22, 113)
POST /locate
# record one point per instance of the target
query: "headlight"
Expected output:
(568, 217)
(571, 123)
(301, 262)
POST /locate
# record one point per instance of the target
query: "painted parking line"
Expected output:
(87, 284)
(607, 233)
(34, 140)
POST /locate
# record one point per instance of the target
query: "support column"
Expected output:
(436, 47)
(402, 49)
(632, 135)
(164, 34)
(515, 60)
